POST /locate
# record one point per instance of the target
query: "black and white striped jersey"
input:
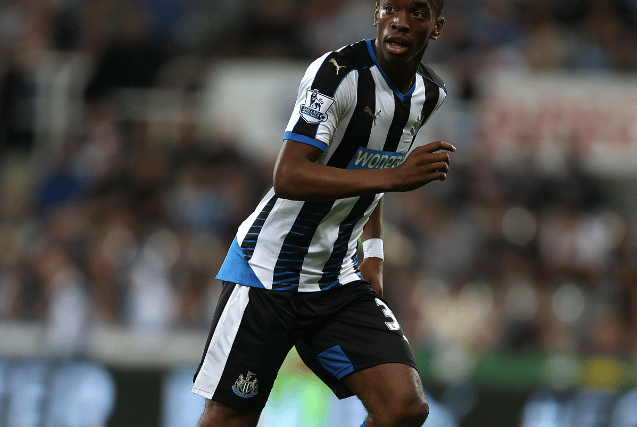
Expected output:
(348, 108)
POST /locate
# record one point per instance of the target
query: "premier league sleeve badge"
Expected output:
(314, 109)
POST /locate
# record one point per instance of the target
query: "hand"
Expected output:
(423, 165)
(372, 270)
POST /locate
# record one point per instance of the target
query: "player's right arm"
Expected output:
(297, 176)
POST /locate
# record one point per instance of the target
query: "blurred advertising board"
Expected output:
(508, 390)
(550, 117)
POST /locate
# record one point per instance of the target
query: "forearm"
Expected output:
(374, 227)
(303, 179)
(297, 176)
(372, 267)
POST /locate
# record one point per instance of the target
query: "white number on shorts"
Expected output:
(393, 325)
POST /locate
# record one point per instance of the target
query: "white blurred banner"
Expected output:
(551, 117)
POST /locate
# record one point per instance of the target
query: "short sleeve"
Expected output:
(323, 99)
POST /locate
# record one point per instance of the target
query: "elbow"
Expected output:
(280, 190)
(281, 182)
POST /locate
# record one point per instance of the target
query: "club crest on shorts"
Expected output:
(314, 110)
(246, 387)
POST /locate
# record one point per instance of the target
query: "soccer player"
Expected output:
(291, 276)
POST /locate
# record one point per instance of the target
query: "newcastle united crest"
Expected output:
(246, 387)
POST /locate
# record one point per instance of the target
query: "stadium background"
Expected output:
(136, 134)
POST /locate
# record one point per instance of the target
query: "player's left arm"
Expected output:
(372, 266)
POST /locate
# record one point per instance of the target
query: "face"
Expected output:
(404, 28)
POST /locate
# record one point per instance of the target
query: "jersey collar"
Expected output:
(399, 94)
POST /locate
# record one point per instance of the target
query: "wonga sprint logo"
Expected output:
(366, 158)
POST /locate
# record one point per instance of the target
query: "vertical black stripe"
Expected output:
(221, 304)
(287, 271)
(398, 123)
(360, 125)
(250, 239)
(432, 95)
(332, 267)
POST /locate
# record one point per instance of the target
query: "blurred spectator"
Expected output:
(24, 37)
(68, 305)
(331, 24)
(272, 29)
(133, 55)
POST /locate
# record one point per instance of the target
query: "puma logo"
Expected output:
(371, 113)
(338, 67)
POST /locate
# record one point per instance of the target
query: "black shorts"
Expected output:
(336, 332)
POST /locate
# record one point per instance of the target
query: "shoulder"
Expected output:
(353, 56)
(428, 73)
(332, 68)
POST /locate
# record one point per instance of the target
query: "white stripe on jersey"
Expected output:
(221, 343)
(384, 108)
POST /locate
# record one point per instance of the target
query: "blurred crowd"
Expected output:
(113, 227)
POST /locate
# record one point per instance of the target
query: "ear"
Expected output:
(440, 23)
(376, 12)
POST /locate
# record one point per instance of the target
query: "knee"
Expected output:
(416, 413)
(423, 412)
(408, 412)
(218, 415)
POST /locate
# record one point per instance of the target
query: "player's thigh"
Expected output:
(248, 342)
(389, 390)
(362, 335)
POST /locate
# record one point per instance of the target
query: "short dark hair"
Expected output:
(438, 6)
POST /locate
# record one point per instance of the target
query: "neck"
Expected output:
(403, 81)
(401, 74)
